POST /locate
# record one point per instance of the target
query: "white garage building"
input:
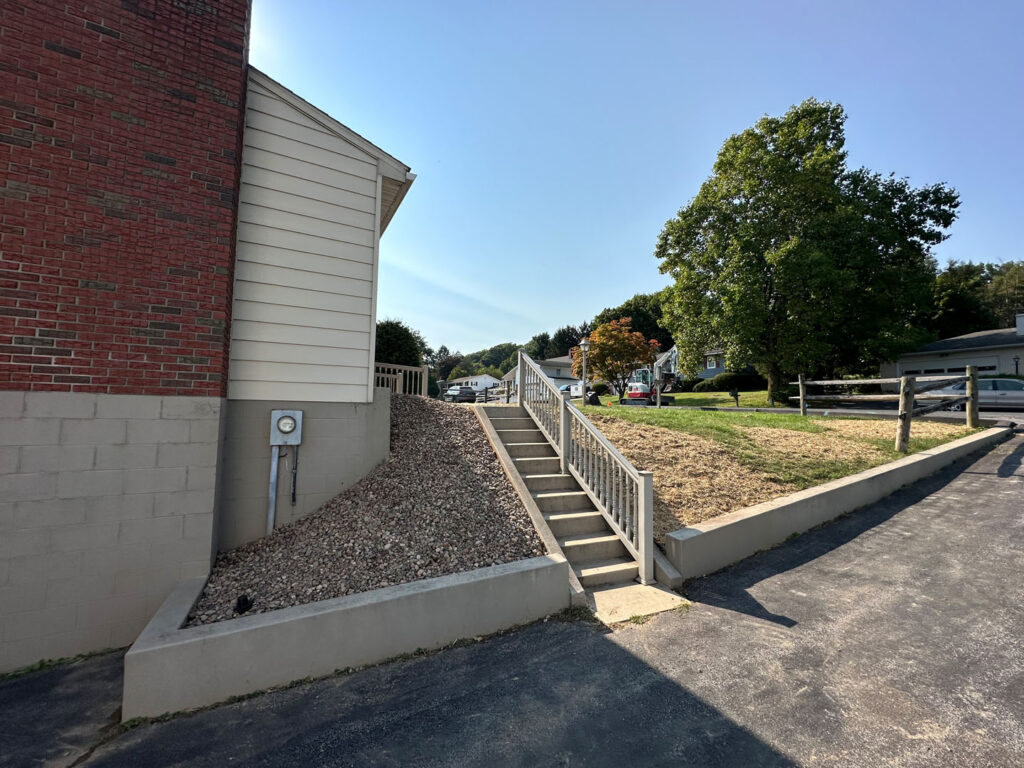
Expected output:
(993, 352)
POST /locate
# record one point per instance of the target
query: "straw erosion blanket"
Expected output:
(697, 478)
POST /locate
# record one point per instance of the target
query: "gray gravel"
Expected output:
(439, 505)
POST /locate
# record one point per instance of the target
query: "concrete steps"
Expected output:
(597, 573)
(595, 552)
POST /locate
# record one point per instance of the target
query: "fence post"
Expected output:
(972, 393)
(803, 394)
(906, 413)
(425, 384)
(645, 527)
(520, 379)
(564, 436)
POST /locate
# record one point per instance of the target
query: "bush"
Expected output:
(705, 385)
(685, 385)
(600, 388)
(741, 382)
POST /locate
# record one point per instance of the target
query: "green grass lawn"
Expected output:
(715, 399)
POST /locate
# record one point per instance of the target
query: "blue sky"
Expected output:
(553, 140)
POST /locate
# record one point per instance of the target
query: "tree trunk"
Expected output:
(774, 378)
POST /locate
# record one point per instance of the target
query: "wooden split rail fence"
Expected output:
(912, 389)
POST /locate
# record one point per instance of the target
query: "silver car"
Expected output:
(996, 394)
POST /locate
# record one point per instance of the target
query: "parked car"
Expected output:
(460, 395)
(996, 394)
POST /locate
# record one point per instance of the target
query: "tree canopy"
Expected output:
(792, 262)
(398, 344)
(616, 350)
(645, 313)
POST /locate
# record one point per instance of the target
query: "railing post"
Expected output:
(972, 394)
(425, 383)
(645, 527)
(906, 413)
(564, 436)
(520, 379)
(803, 394)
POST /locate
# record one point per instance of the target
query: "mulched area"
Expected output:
(440, 504)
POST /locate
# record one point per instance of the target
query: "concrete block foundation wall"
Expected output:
(106, 502)
(120, 142)
(341, 443)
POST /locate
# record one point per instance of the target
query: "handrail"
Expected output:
(402, 379)
(541, 398)
(623, 494)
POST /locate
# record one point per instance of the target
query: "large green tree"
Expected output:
(792, 262)
(961, 300)
(398, 344)
(1005, 292)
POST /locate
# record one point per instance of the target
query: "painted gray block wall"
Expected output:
(341, 444)
(106, 503)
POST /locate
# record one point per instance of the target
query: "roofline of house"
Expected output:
(929, 352)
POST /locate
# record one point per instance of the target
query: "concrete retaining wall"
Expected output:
(707, 547)
(341, 443)
(170, 669)
(106, 503)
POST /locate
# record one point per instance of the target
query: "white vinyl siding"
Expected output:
(302, 320)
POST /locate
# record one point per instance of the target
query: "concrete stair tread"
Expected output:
(579, 539)
(574, 515)
(618, 568)
(559, 494)
(529, 462)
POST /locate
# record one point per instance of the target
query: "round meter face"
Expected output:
(286, 424)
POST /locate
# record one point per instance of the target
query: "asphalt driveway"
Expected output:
(891, 637)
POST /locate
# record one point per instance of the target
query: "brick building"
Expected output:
(132, 431)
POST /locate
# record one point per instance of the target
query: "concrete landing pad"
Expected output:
(621, 602)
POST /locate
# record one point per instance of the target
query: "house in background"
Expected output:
(558, 369)
(713, 364)
(991, 352)
(187, 246)
(478, 382)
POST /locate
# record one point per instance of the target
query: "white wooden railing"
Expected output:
(401, 379)
(623, 494)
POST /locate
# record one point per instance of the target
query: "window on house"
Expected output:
(986, 367)
(956, 370)
(934, 370)
(911, 373)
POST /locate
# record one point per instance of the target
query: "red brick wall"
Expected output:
(120, 136)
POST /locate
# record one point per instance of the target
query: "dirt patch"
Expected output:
(441, 504)
(695, 479)
(820, 447)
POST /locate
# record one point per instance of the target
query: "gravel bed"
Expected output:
(440, 504)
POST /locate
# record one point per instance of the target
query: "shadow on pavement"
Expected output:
(550, 694)
(53, 716)
(729, 588)
(1012, 463)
